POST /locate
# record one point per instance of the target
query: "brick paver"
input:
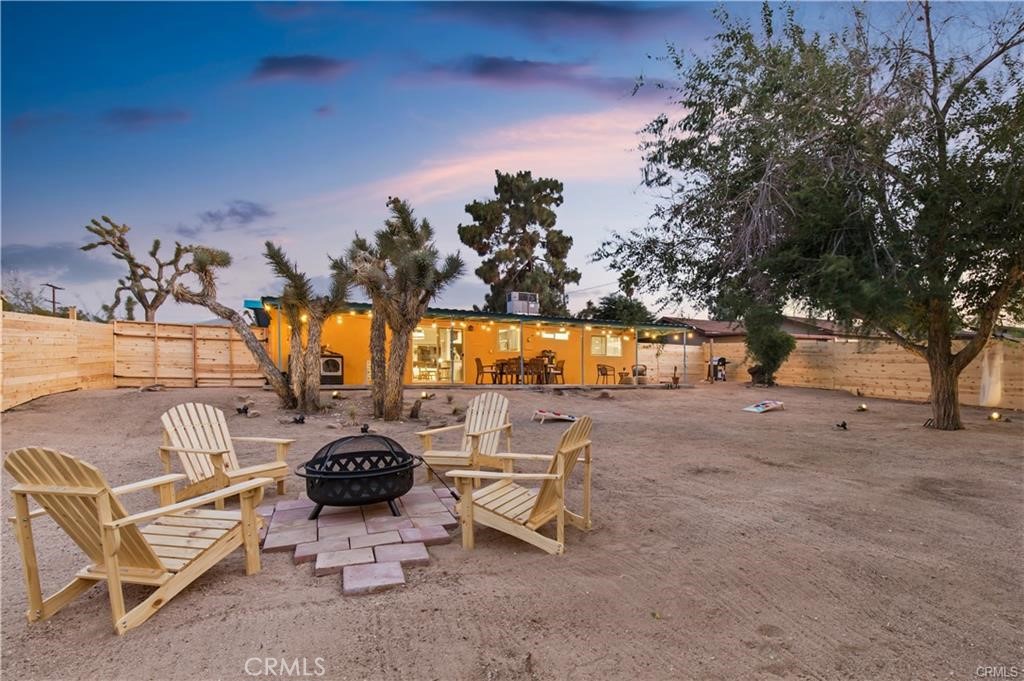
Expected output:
(364, 579)
(332, 562)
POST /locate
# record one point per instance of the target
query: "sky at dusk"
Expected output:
(231, 123)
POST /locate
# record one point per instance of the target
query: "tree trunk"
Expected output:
(151, 314)
(296, 367)
(945, 395)
(309, 398)
(273, 375)
(378, 362)
(395, 375)
(942, 365)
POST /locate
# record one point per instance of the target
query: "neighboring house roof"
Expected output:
(711, 328)
(822, 326)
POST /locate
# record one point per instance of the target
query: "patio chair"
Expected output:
(604, 371)
(485, 370)
(179, 544)
(198, 434)
(486, 420)
(556, 374)
(520, 511)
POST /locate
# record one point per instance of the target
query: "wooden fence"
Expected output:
(183, 356)
(882, 369)
(44, 355)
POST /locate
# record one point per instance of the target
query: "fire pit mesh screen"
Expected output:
(357, 470)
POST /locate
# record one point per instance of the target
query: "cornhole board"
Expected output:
(767, 405)
(545, 415)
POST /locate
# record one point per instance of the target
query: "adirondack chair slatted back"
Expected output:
(485, 411)
(201, 426)
(77, 514)
(569, 449)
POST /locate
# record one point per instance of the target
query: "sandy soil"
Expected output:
(727, 545)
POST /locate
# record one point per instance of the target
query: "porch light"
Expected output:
(434, 325)
(675, 337)
(561, 328)
(588, 327)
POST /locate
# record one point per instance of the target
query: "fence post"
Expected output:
(195, 362)
(156, 352)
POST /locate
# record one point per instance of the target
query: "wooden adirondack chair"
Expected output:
(178, 546)
(486, 419)
(198, 434)
(519, 511)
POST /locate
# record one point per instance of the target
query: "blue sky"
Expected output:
(231, 123)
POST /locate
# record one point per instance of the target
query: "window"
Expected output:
(606, 346)
(508, 340)
(555, 335)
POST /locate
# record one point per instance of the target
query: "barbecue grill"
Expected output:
(358, 470)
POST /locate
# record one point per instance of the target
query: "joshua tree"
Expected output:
(148, 284)
(204, 265)
(418, 276)
(369, 269)
(300, 300)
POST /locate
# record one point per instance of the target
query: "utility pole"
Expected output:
(53, 295)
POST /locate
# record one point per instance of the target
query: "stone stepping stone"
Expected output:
(375, 539)
(428, 536)
(306, 553)
(364, 579)
(286, 540)
(332, 562)
(405, 554)
(442, 519)
(342, 529)
(386, 524)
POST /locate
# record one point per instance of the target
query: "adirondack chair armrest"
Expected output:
(147, 484)
(521, 457)
(584, 445)
(488, 475)
(281, 444)
(442, 429)
(268, 440)
(488, 431)
(195, 502)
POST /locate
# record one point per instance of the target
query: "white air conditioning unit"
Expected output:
(521, 302)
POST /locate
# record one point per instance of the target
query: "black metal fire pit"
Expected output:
(358, 470)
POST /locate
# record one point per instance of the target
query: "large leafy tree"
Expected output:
(617, 307)
(309, 310)
(871, 175)
(522, 249)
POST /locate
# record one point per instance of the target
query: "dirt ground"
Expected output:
(726, 545)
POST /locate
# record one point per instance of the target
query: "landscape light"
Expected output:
(862, 407)
(304, 318)
(994, 416)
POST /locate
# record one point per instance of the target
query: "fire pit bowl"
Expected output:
(358, 470)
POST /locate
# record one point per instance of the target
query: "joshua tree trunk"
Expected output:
(273, 375)
(296, 367)
(378, 362)
(396, 375)
(309, 397)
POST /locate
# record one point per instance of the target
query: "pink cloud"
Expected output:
(593, 146)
